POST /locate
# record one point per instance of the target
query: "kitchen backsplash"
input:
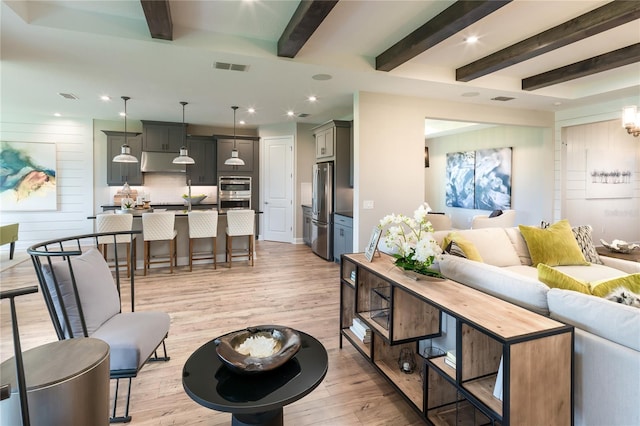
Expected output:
(168, 188)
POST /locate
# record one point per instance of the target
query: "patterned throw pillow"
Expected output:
(583, 237)
(454, 249)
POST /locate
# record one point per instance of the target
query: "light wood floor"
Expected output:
(288, 285)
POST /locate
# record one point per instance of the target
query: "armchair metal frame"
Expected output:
(65, 249)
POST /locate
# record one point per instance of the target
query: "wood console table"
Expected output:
(536, 352)
(634, 256)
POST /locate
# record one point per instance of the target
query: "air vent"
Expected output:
(230, 67)
(303, 115)
(68, 96)
(502, 98)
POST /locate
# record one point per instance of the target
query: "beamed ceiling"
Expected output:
(546, 55)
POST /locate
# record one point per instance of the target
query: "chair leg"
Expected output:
(190, 254)
(121, 419)
(146, 257)
(215, 254)
(229, 249)
(171, 254)
(251, 240)
(128, 260)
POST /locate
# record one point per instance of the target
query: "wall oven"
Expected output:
(234, 192)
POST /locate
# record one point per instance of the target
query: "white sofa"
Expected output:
(607, 334)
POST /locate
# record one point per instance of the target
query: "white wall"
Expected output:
(532, 179)
(389, 150)
(74, 177)
(596, 126)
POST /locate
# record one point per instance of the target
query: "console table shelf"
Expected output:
(535, 352)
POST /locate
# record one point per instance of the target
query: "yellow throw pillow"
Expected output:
(553, 246)
(604, 287)
(465, 245)
(556, 279)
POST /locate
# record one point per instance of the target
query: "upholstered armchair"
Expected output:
(506, 220)
(83, 300)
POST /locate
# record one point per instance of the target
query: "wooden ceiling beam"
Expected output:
(609, 16)
(453, 19)
(305, 20)
(607, 61)
(158, 17)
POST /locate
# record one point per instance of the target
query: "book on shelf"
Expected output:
(450, 358)
(497, 389)
(364, 337)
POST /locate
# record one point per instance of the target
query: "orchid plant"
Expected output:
(412, 239)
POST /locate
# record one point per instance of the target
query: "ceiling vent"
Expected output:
(303, 115)
(230, 67)
(68, 96)
(502, 98)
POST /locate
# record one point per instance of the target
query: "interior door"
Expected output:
(277, 189)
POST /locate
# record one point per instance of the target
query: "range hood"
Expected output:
(160, 162)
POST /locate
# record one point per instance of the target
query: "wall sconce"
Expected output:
(631, 120)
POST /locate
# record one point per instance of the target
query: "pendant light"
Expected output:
(125, 153)
(183, 158)
(234, 160)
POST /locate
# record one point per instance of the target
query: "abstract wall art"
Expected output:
(27, 176)
(479, 179)
(609, 174)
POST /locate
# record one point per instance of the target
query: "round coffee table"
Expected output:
(255, 399)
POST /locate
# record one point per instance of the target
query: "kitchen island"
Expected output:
(182, 228)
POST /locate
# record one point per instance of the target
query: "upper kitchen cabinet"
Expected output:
(246, 147)
(203, 150)
(119, 173)
(330, 137)
(162, 136)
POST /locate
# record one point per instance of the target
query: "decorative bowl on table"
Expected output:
(195, 199)
(619, 246)
(257, 349)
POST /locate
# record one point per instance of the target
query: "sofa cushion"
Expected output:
(470, 251)
(503, 283)
(591, 273)
(554, 245)
(604, 287)
(455, 250)
(556, 279)
(585, 242)
(519, 244)
(96, 289)
(609, 320)
(493, 245)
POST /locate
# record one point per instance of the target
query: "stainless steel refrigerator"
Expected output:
(322, 210)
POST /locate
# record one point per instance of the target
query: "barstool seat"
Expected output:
(109, 222)
(202, 224)
(240, 223)
(159, 227)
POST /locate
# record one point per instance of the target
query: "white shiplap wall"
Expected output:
(74, 177)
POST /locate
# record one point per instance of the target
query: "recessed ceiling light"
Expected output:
(470, 94)
(290, 113)
(57, 114)
(242, 122)
(105, 98)
(322, 77)
(122, 114)
(471, 39)
(557, 103)
(251, 110)
(312, 98)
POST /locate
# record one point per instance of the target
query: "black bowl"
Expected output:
(286, 345)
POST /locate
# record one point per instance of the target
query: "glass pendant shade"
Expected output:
(183, 158)
(235, 160)
(125, 151)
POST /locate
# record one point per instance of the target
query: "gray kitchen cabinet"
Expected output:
(342, 236)
(203, 150)
(306, 225)
(325, 143)
(162, 136)
(119, 173)
(245, 147)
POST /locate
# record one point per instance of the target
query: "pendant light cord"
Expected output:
(234, 126)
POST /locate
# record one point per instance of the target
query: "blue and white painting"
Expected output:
(460, 179)
(493, 179)
(27, 176)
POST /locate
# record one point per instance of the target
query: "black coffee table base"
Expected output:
(267, 418)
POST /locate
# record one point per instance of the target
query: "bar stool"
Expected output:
(240, 223)
(109, 222)
(159, 227)
(202, 224)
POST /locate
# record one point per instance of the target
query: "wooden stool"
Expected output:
(240, 223)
